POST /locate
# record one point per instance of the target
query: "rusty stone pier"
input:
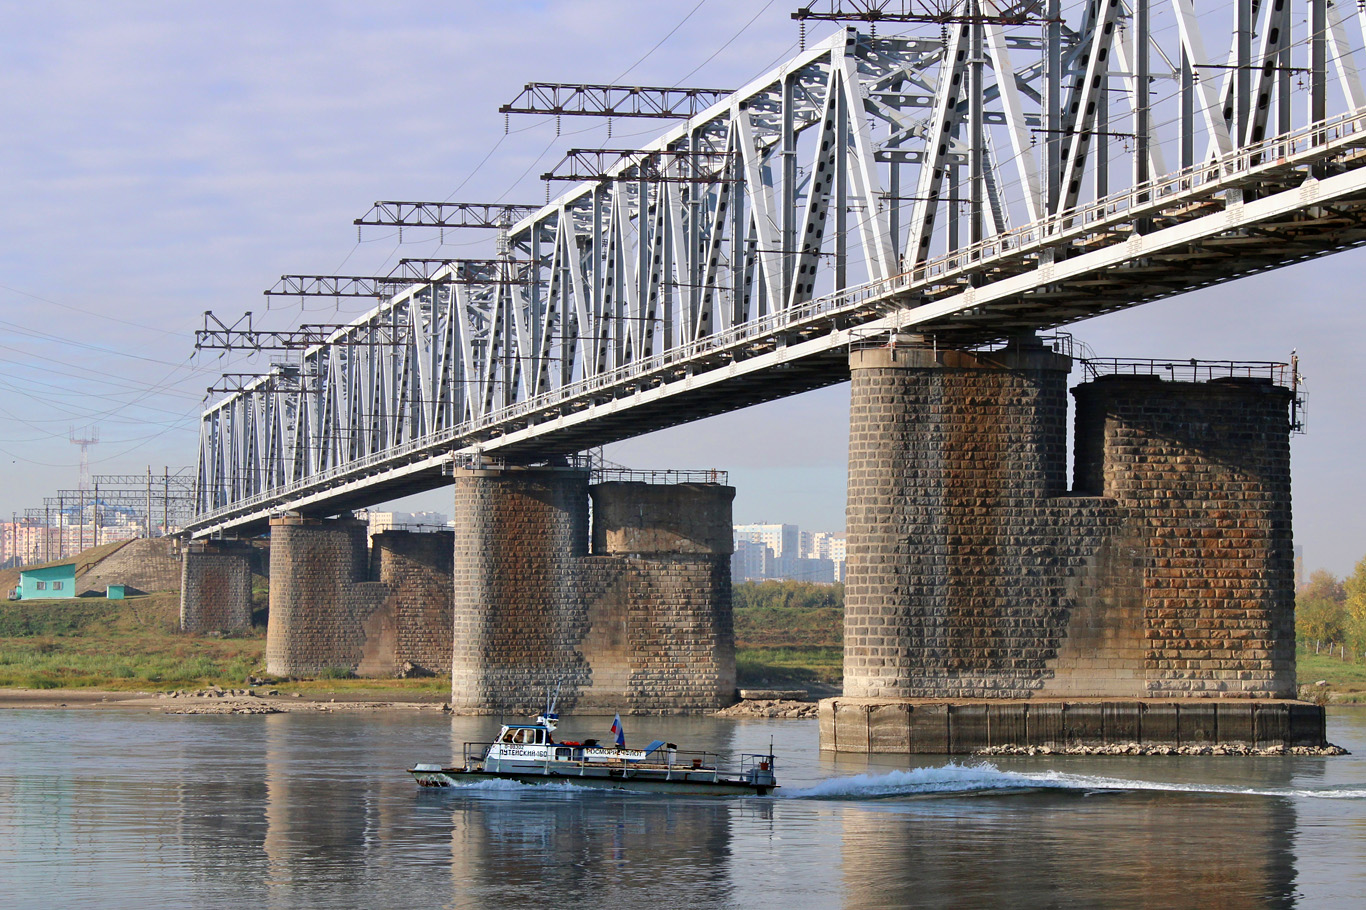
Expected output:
(336, 605)
(640, 621)
(978, 582)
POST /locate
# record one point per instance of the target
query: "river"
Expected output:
(123, 809)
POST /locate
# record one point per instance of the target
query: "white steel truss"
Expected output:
(975, 180)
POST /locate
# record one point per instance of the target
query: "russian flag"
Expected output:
(619, 731)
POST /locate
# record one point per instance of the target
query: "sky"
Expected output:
(163, 159)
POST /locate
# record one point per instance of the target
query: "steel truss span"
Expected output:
(970, 179)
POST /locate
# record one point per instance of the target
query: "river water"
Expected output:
(120, 809)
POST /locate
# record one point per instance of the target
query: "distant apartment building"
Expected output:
(782, 539)
(751, 561)
(27, 541)
(783, 551)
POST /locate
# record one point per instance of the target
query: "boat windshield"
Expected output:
(523, 736)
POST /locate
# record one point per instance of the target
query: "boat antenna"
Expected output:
(554, 700)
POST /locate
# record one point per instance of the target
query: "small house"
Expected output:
(47, 582)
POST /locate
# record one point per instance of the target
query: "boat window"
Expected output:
(508, 735)
(524, 736)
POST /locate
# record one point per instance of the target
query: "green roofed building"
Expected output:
(47, 583)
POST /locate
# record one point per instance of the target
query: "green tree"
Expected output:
(1320, 614)
(1354, 587)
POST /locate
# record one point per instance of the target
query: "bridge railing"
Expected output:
(1189, 370)
(1148, 198)
(633, 475)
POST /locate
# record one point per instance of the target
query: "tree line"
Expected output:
(801, 595)
(1330, 611)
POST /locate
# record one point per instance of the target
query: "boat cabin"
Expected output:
(525, 736)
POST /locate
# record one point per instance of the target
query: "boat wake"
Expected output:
(982, 779)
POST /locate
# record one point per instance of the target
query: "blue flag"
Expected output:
(619, 731)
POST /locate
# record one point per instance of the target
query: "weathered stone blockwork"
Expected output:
(215, 587)
(328, 612)
(517, 622)
(141, 564)
(413, 623)
(642, 624)
(973, 574)
(956, 551)
(1202, 472)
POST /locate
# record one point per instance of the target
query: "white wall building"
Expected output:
(404, 521)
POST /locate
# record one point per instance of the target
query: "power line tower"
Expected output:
(91, 438)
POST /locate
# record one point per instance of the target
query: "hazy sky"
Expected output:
(161, 159)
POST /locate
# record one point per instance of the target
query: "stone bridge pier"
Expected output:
(337, 605)
(987, 604)
(215, 586)
(627, 610)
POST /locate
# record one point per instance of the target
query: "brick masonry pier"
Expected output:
(334, 606)
(215, 586)
(642, 622)
(974, 575)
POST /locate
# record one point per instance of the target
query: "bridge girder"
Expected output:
(964, 184)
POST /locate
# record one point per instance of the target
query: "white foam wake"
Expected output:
(985, 777)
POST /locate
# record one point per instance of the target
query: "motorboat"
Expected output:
(529, 753)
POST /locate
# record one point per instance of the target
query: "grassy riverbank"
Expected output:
(1346, 680)
(131, 644)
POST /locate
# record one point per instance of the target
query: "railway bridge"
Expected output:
(910, 203)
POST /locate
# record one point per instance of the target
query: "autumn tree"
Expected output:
(1320, 612)
(1354, 589)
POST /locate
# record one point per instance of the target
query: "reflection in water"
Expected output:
(556, 846)
(118, 810)
(1141, 849)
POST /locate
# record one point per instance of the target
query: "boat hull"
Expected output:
(601, 779)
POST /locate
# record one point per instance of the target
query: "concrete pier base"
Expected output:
(941, 727)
